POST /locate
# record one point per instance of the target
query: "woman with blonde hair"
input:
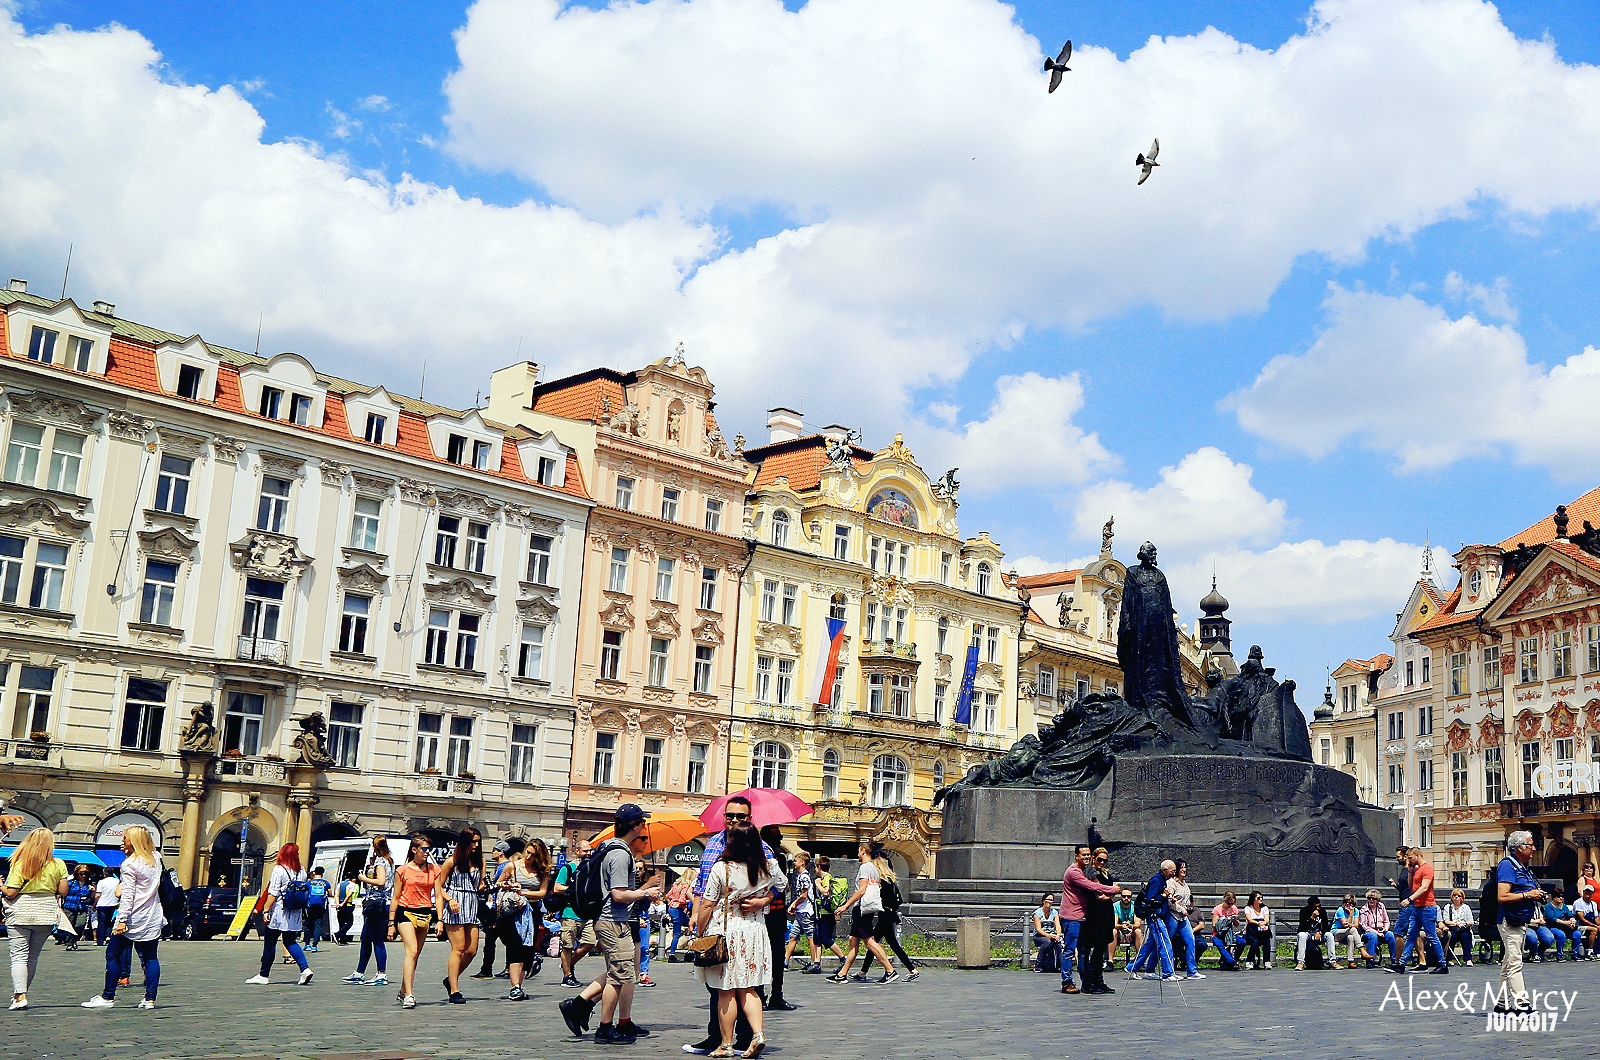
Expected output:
(889, 919)
(139, 918)
(33, 891)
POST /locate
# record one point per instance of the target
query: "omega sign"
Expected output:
(1580, 778)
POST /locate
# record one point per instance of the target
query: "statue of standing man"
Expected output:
(1147, 644)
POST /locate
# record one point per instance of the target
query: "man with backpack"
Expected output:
(577, 937)
(1517, 897)
(317, 890)
(604, 891)
(1152, 906)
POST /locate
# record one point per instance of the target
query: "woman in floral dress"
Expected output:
(743, 873)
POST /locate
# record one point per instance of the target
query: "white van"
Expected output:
(337, 857)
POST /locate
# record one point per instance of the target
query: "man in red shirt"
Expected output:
(1425, 914)
(1077, 891)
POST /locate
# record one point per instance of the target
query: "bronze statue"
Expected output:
(1147, 643)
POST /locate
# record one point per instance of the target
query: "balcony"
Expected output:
(889, 649)
(231, 767)
(261, 649)
(1549, 806)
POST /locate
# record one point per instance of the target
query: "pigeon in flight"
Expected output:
(1058, 66)
(1146, 163)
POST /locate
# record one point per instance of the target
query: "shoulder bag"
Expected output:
(711, 951)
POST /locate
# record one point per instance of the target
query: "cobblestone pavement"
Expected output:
(206, 1010)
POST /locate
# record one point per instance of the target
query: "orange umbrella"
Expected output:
(665, 828)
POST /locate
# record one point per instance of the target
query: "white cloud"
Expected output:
(1302, 581)
(341, 124)
(1386, 372)
(1494, 301)
(378, 103)
(1204, 500)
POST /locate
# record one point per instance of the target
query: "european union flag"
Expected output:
(964, 700)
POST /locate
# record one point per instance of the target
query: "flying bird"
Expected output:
(1146, 163)
(1058, 66)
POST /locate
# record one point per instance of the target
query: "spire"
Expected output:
(1427, 560)
(1214, 602)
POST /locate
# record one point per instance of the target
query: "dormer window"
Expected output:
(271, 402)
(42, 345)
(376, 425)
(80, 353)
(983, 579)
(480, 455)
(300, 409)
(456, 450)
(1475, 582)
(547, 471)
(190, 380)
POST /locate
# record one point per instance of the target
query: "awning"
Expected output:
(80, 857)
(109, 858)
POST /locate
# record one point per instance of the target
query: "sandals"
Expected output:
(723, 1051)
(757, 1043)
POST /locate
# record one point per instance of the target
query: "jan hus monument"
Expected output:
(1224, 779)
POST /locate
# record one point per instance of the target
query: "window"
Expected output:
(1566, 753)
(190, 380)
(872, 620)
(1425, 830)
(376, 426)
(1491, 666)
(540, 548)
(650, 766)
(1082, 688)
(785, 681)
(438, 651)
(1425, 775)
(430, 729)
(1561, 654)
(618, 580)
(713, 515)
(610, 654)
(669, 504)
(273, 509)
(764, 667)
(455, 449)
(1494, 783)
(769, 765)
(624, 493)
(983, 579)
(1530, 764)
(477, 547)
(172, 485)
(271, 402)
(1458, 778)
(791, 599)
(66, 457)
(991, 712)
(938, 775)
(1349, 750)
(1397, 778)
(160, 582)
(22, 455)
(299, 409)
(698, 752)
(1047, 681)
(659, 648)
(841, 542)
(1592, 636)
(664, 568)
(939, 693)
(241, 726)
(353, 624)
(830, 774)
(889, 776)
(780, 529)
(899, 624)
(944, 568)
(605, 757)
(873, 545)
(1475, 582)
(944, 635)
(42, 345)
(466, 656)
(49, 576)
(1458, 673)
(80, 353)
(992, 645)
(524, 741)
(546, 475)
(703, 656)
(769, 600)
(263, 607)
(31, 712)
(836, 607)
(836, 695)
(1427, 660)
(1411, 673)
(708, 588)
(1111, 688)
(480, 455)
(142, 714)
(344, 734)
(1397, 725)
(530, 652)
(1425, 720)
(889, 694)
(364, 523)
(1594, 759)
(460, 760)
(1528, 657)
(905, 559)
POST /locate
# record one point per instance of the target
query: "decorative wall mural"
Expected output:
(894, 507)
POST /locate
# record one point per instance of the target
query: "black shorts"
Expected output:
(864, 925)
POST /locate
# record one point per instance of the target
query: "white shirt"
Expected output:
(281, 919)
(140, 905)
(1456, 915)
(1586, 907)
(105, 892)
(872, 901)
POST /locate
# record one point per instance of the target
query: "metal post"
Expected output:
(1027, 938)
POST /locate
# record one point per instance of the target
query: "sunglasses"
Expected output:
(736, 816)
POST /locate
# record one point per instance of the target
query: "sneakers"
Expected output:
(836, 978)
(630, 1027)
(1195, 975)
(860, 977)
(606, 1034)
(570, 980)
(1267, 966)
(124, 981)
(645, 980)
(379, 980)
(698, 1050)
(311, 949)
(457, 998)
(353, 977)
(482, 975)
(147, 1004)
(305, 977)
(18, 1003)
(1153, 976)
(888, 977)
(1068, 986)
(575, 1011)
(257, 980)
(517, 994)
(1443, 969)
(911, 976)
(408, 1002)
(94, 1002)
(814, 968)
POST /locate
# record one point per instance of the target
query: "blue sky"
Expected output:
(1419, 254)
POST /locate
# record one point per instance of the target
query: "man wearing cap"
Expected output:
(1587, 914)
(617, 939)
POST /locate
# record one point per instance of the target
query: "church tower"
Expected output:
(1215, 639)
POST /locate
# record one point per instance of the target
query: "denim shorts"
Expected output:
(802, 924)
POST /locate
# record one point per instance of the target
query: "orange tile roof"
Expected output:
(1571, 551)
(1544, 531)
(801, 460)
(1050, 580)
(1447, 615)
(582, 397)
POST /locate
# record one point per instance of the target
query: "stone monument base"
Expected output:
(1235, 819)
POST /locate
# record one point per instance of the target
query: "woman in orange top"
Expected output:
(413, 904)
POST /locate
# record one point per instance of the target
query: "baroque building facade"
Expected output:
(655, 658)
(868, 542)
(241, 598)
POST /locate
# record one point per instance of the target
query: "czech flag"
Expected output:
(827, 661)
(964, 700)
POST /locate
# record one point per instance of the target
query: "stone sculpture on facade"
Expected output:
(311, 741)
(946, 487)
(199, 737)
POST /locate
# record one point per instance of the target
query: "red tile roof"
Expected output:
(1571, 551)
(1544, 531)
(800, 460)
(1447, 615)
(585, 396)
(1051, 580)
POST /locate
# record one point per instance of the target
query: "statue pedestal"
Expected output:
(1236, 820)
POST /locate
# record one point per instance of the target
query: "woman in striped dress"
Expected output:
(461, 876)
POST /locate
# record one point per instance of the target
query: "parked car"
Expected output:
(210, 911)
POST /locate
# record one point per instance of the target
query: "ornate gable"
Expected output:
(1554, 586)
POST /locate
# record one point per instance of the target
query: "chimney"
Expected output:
(19, 286)
(783, 424)
(105, 309)
(511, 391)
(836, 432)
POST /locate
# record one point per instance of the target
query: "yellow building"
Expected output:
(839, 532)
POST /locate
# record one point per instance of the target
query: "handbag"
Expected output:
(711, 951)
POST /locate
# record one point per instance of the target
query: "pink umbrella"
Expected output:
(767, 806)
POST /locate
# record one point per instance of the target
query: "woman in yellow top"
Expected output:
(33, 891)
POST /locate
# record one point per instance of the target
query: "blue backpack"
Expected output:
(317, 892)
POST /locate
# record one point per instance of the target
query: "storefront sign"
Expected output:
(111, 832)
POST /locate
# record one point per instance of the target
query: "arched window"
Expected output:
(938, 775)
(830, 774)
(889, 781)
(769, 765)
(836, 606)
(780, 529)
(983, 579)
